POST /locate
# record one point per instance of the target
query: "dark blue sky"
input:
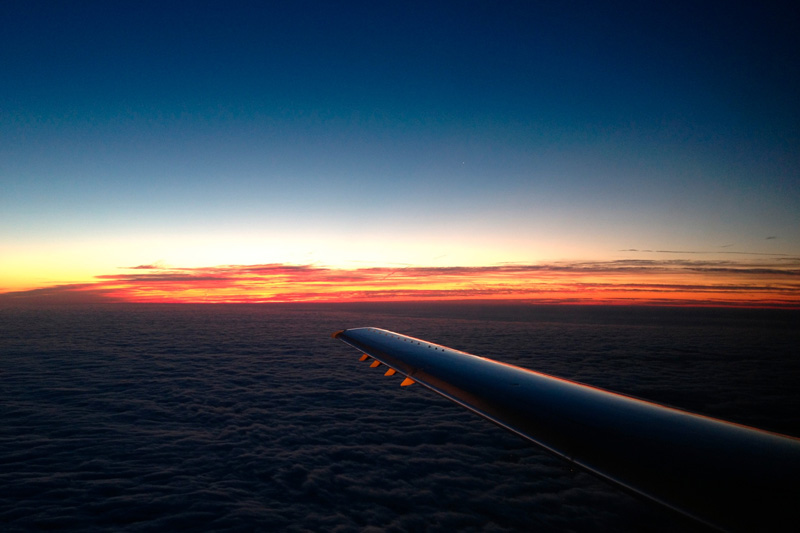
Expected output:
(488, 131)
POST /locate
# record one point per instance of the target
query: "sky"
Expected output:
(552, 152)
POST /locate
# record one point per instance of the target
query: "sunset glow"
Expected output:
(283, 152)
(756, 284)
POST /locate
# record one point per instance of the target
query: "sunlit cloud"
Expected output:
(774, 282)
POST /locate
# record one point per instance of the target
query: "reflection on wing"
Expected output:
(726, 475)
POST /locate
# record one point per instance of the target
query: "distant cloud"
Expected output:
(68, 293)
(679, 281)
(693, 252)
(154, 266)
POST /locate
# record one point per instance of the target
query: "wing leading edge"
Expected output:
(726, 475)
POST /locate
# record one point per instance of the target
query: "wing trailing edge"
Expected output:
(728, 476)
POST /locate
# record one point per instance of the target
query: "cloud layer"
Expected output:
(252, 418)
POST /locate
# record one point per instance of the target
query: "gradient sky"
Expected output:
(482, 147)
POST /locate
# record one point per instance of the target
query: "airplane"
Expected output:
(727, 476)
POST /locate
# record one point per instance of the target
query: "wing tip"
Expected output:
(336, 334)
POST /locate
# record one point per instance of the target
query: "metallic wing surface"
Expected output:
(726, 475)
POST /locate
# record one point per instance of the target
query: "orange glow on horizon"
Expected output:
(675, 282)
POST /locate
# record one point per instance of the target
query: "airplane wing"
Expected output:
(728, 476)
